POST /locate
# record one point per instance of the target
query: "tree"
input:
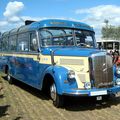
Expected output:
(110, 32)
(106, 22)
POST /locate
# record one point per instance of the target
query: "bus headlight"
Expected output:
(71, 74)
(118, 70)
(118, 81)
(87, 85)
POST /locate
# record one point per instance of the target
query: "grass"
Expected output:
(22, 102)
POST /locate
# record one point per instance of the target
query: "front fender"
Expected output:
(59, 75)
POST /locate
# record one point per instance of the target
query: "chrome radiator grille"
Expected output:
(102, 70)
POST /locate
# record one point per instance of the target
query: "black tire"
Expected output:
(108, 97)
(58, 100)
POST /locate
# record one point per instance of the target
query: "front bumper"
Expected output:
(92, 92)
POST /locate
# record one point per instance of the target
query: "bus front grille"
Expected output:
(101, 70)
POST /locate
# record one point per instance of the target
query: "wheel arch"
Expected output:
(6, 68)
(54, 74)
(47, 82)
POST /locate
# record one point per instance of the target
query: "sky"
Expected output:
(13, 13)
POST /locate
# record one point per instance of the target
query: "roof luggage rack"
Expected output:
(28, 22)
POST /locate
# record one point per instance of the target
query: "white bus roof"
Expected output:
(103, 40)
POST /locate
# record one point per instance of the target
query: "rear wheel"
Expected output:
(58, 100)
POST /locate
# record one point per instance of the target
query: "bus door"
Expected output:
(33, 62)
(26, 68)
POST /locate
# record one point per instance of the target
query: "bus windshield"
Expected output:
(66, 37)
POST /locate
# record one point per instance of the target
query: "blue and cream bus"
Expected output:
(59, 57)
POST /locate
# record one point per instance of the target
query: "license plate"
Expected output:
(95, 93)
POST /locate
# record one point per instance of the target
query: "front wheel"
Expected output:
(58, 100)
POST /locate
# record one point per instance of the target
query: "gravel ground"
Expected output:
(21, 102)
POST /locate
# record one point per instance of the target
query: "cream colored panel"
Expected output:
(45, 59)
(79, 64)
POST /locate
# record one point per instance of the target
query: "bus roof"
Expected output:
(53, 23)
(60, 23)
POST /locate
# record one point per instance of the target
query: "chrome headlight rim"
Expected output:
(118, 70)
(87, 85)
(118, 81)
(71, 74)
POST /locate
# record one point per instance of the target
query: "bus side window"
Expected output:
(12, 40)
(33, 42)
(5, 44)
(23, 42)
(0, 44)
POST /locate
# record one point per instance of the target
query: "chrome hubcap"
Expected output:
(53, 92)
(8, 77)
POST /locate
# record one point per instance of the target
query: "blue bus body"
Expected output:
(75, 70)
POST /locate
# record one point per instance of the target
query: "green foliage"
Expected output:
(111, 32)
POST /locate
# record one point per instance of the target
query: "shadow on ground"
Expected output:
(3, 110)
(18, 118)
(1, 96)
(86, 103)
(29, 89)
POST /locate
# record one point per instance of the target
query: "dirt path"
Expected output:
(21, 102)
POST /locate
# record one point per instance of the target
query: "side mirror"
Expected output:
(38, 50)
(100, 47)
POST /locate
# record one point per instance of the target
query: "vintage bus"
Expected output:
(59, 57)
